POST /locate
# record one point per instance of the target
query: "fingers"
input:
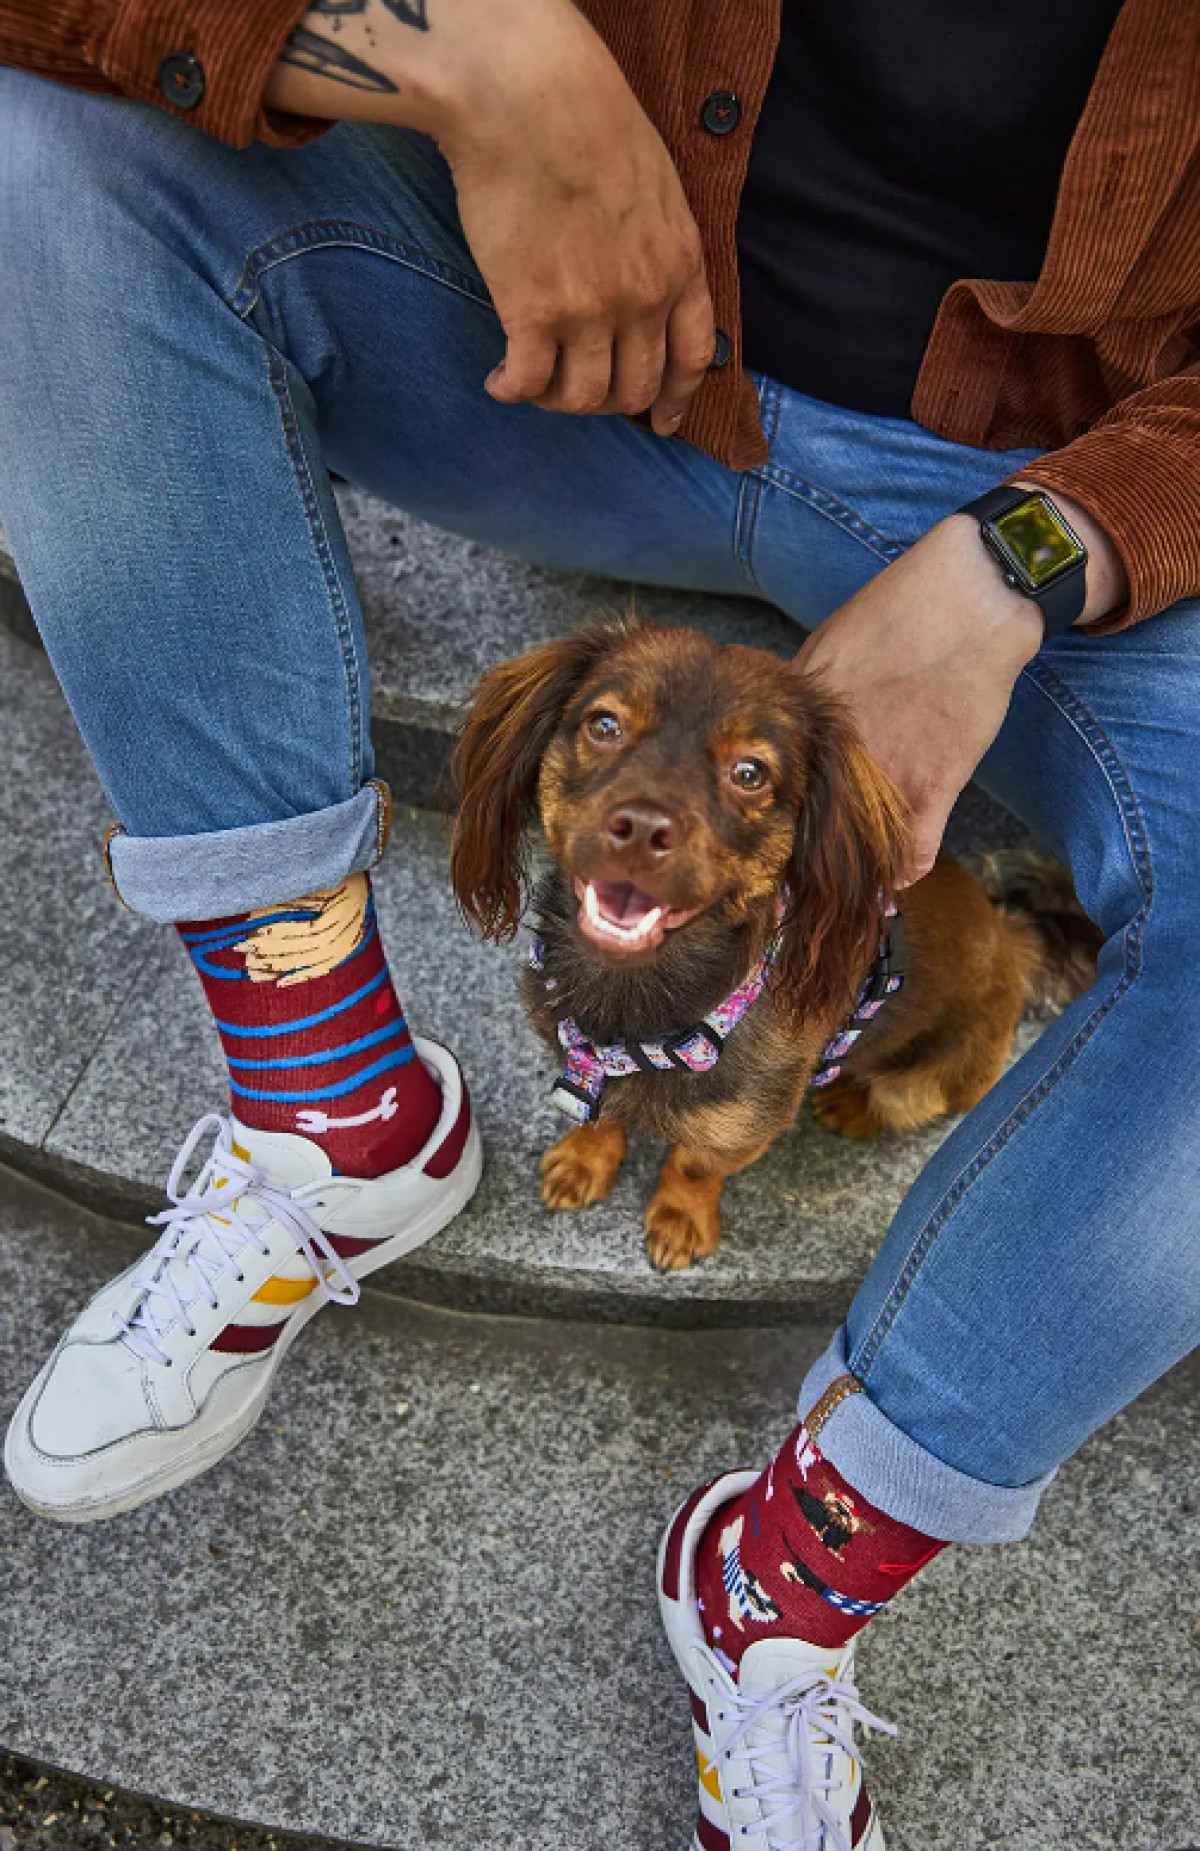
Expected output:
(641, 357)
(528, 366)
(583, 380)
(654, 363)
(691, 338)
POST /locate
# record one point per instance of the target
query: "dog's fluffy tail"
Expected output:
(1056, 942)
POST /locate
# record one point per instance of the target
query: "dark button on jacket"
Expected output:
(721, 113)
(181, 79)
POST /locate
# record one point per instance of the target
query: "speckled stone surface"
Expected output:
(415, 1608)
(69, 956)
(441, 609)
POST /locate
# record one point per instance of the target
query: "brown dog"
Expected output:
(705, 808)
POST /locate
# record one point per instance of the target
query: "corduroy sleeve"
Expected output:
(1137, 472)
(229, 47)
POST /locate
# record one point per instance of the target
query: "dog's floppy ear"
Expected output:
(513, 716)
(850, 842)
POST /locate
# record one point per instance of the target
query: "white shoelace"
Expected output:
(194, 1250)
(816, 1710)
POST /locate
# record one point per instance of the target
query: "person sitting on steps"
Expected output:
(899, 307)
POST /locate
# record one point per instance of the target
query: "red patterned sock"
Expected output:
(801, 1555)
(313, 1030)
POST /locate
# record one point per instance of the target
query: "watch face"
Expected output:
(1038, 541)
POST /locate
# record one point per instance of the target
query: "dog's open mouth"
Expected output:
(621, 918)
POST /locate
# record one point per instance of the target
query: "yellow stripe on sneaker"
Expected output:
(709, 1778)
(279, 1291)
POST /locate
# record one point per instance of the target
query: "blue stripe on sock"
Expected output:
(400, 1058)
(196, 953)
(217, 970)
(304, 1021)
(210, 940)
(387, 1033)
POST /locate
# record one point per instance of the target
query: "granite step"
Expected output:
(414, 1609)
(107, 1057)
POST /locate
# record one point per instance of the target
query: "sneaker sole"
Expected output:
(463, 1181)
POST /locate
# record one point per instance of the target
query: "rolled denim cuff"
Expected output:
(896, 1474)
(169, 878)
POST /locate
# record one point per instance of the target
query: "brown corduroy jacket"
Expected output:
(1098, 358)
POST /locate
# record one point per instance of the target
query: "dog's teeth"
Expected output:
(625, 935)
(646, 925)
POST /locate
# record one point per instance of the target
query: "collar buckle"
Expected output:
(576, 1101)
(694, 1050)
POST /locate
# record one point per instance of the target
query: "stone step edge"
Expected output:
(491, 1289)
(121, 1791)
(15, 613)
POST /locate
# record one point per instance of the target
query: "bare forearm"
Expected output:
(367, 60)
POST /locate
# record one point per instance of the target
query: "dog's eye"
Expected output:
(749, 774)
(604, 728)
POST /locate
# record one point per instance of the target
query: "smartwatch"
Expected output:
(1037, 549)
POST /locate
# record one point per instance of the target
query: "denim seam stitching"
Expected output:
(1063, 698)
(1076, 713)
(324, 552)
(330, 235)
(833, 510)
(750, 492)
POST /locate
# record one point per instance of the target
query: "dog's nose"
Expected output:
(641, 829)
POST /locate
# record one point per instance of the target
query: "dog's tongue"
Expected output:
(621, 903)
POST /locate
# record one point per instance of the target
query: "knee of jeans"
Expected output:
(85, 185)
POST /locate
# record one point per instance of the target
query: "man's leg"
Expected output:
(188, 336)
(1045, 1268)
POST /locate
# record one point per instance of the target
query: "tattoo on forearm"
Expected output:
(310, 52)
(408, 12)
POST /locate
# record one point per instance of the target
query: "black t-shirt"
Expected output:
(902, 144)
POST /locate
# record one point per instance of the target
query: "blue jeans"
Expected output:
(191, 337)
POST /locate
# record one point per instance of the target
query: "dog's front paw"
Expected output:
(675, 1237)
(582, 1167)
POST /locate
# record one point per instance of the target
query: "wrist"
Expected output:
(1010, 623)
(502, 63)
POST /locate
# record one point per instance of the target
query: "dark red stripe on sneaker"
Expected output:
(699, 1713)
(347, 1246)
(247, 1339)
(445, 1159)
(860, 1818)
(673, 1554)
(711, 1836)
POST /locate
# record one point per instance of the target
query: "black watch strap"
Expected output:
(1062, 601)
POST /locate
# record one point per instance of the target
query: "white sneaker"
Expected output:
(171, 1364)
(774, 1739)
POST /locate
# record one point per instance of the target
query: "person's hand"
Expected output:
(926, 655)
(570, 203)
(577, 219)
